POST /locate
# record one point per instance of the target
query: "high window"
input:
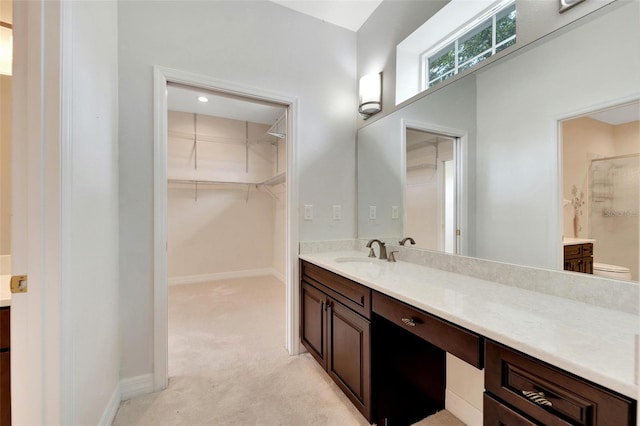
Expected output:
(481, 38)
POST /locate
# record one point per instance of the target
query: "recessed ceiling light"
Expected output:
(203, 99)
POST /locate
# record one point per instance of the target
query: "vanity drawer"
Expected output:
(353, 295)
(554, 397)
(578, 250)
(449, 337)
(5, 317)
(497, 414)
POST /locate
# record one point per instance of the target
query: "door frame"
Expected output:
(41, 368)
(460, 153)
(162, 75)
(556, 228)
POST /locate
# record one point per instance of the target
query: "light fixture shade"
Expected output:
(370, 95)
(6, 48)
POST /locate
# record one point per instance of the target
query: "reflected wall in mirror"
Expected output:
(510, 206)
(431, 190)
(382, 164)
(600, 187)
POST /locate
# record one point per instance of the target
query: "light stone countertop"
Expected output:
(5, 290)
(595, 343)
(568, 241)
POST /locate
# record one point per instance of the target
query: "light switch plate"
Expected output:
(308, 212)
(337, 212)
(372, 213)
(395, 212)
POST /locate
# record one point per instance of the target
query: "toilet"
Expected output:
(611, 271)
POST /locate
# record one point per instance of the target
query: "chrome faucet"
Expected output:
(404, 240)
(383, 249)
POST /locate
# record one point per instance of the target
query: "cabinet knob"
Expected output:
(537, 397)
(409, 322)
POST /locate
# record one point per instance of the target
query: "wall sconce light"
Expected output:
(370, 95)
(6, 48)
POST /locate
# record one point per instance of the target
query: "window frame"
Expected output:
(456, 36)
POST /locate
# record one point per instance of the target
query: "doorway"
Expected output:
(600, 185)
(164, 78)
(431, 191)
(226, 215)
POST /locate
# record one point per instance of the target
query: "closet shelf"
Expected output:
(421, 167)
(209, 138)
(274, 180)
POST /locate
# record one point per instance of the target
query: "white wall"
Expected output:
(394, 20)
(258, 44)
(93, 206)
(424, 196)
(6, 15)
(378, 37)
(380, 166)
(517, 177)
(583, 139)
(5, 165)
(221, 229)
(220, 232)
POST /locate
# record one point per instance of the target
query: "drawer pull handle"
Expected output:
(537, 397)
(409, 322)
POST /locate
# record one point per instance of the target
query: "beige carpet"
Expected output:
(441, 418)
(228, 365)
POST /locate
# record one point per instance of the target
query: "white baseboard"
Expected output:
(136, 386)
(280, 277)
(467, 413)
(203, 278)
(110, 411)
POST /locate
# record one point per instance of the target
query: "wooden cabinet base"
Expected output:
(497, 414)
(336, 329)
(549, 395)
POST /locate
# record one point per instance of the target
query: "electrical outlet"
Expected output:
(308, 212)
(337, 212)
(372, 213)
(395, 212)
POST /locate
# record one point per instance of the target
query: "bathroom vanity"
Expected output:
(382, 330)
(578, 255)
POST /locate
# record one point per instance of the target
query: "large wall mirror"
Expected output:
(508, 120)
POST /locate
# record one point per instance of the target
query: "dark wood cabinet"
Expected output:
(313, 323)
(389, 358)
(349, 349)
(579, 258)
(462, 343)
(532, 389)
(5, 367)
(497, 414)
(335, 328)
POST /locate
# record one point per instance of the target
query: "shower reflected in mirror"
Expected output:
(601, 183)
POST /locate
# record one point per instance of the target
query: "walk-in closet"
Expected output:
(226, 212)
(226, 169)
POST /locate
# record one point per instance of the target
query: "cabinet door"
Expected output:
(349, 363)
(574, 265)
(313, 322)
(588, 265)
(5, 388)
